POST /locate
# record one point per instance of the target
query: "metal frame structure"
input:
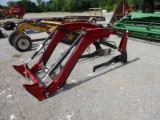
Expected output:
(38, 89)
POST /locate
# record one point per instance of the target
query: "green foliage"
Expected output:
(70, 5)
(1, 7)
(42, 6)
(28, 5)
(11, 3)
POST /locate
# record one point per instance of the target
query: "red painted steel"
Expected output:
(90, 36)
(15, 11)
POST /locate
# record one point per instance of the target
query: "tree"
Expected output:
(28, 5)
(42, 6)
(39, 2)
(58, 5)
(11, 4)
(70, 5)
(1, 7)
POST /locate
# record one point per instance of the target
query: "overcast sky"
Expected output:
(4, 2)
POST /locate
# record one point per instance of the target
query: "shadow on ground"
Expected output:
(72, 85)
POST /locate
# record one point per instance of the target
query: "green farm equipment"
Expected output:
(141, 25)
(144, 24)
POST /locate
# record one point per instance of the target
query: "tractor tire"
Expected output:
(9, 25)
(11, 37)
(22, 43)
(123, 57)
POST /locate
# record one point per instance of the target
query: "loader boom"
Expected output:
(38, 89)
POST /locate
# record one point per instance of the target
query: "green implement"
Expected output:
(141, 25)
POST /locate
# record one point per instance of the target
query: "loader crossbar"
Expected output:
(86, 37)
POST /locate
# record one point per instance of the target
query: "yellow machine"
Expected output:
(23, 42)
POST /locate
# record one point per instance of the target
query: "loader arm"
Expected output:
(86, 37)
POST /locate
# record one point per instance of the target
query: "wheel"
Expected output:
(22, 43)
(93, 21)
(9, 25)
(11, 37)
(123, 57)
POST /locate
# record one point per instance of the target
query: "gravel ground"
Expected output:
(117, 92)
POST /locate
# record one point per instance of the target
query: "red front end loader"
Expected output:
(41, 88)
